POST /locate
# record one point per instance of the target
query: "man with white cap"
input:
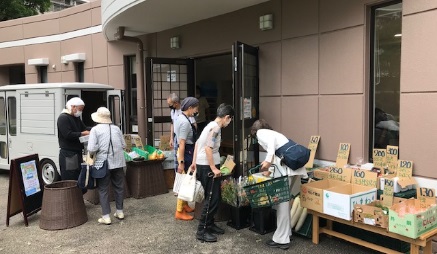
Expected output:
(70, 128)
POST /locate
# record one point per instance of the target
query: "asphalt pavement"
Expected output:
(149, 227)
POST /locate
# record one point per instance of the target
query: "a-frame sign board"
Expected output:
(25, 187)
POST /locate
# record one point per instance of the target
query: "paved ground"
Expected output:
(149, 227)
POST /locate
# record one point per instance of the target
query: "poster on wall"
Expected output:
(171, 76)
(30, 178)
(247, 107)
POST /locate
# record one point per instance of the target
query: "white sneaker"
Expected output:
(119, 216)
(105, 221)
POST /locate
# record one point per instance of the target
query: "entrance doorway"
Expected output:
(230, 78)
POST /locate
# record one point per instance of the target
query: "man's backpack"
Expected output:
(293, 155)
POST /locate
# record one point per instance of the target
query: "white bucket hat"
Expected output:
(102, 115)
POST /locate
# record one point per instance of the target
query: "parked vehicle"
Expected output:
(29, 113)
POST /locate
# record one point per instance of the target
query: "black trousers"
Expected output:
(208, 184)
(70, 164)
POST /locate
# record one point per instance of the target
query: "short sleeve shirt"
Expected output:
(211, 137)
(183, 130)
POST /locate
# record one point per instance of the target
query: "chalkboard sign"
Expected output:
(25, 187)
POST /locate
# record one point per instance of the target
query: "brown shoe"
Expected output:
(188, 209)
(183, 216)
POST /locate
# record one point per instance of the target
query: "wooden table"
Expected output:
(425, 240)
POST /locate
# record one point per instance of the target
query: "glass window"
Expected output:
(42, 74)
(80, 71)
(385, 74)
(12, 115)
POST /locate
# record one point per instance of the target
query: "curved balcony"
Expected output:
(150, 16)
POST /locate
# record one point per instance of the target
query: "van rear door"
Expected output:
(4, 154)
(115, 100)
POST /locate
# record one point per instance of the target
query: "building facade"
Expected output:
(357, 72)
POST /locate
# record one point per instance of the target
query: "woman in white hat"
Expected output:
(106, 141)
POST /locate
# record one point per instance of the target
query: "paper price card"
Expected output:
(343, 154)
(391, 158)
(137, 141)
(340, 174)
(426, 197)
(365, 178)
(388, 192)
(314, 142)
(405, 169)
(379, 158)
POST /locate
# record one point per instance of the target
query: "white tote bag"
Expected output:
(188, 187)
(177, 182)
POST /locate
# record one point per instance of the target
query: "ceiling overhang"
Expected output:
(141, 17)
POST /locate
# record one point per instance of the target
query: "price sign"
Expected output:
(364, 178)
(340, 174)
(314, 142)
(379, 158)
(388, 192)
(405, 169)
(426, 197)
(391, 157)
(343, 155)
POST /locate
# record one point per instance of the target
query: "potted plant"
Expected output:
(234, 195)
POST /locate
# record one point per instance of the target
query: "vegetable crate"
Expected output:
(268, 193)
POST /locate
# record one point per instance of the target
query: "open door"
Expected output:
(165, 76)
(246, 103)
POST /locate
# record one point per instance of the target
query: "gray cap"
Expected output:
(188, 102)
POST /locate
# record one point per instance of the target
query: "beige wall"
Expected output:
(313, 65)
(103, 64)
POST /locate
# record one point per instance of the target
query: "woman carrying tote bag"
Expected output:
(103, 136)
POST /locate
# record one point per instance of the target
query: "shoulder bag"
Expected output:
(100, 168)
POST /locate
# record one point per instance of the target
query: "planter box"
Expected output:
(263, 220)
(240, 217)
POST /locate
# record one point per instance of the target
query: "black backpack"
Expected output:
(293, 155)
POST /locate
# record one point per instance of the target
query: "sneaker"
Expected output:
(105, 221)
(119, 216)
(273, 244)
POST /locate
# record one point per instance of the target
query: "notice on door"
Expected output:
(171, 76)
(247, 108)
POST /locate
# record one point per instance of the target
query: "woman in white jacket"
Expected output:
(271, 140)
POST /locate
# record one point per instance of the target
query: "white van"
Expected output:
(29, 113)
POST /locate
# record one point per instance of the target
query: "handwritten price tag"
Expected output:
(314, 142)
(426, 197)
(379, 158)
(343, 154)
(388, 192)
(340, 174)
(364, 178)
(405, 169)
(392, 158)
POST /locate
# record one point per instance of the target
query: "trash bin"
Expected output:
(62, 206)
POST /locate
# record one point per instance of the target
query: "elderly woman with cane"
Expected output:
(207, 162)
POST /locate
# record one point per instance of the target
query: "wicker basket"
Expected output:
(145, 178)
(62, 206)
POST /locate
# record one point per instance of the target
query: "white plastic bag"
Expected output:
(188, 187)
(177, 182)
(199, 193)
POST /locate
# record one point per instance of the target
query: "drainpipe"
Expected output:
(141, 107)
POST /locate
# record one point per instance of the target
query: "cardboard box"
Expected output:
(412, 225)
(321, 173)
(311, 194)
(397, 184)
(373, 214)
(339, 201)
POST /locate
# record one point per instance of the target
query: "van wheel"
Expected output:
(49, 172)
